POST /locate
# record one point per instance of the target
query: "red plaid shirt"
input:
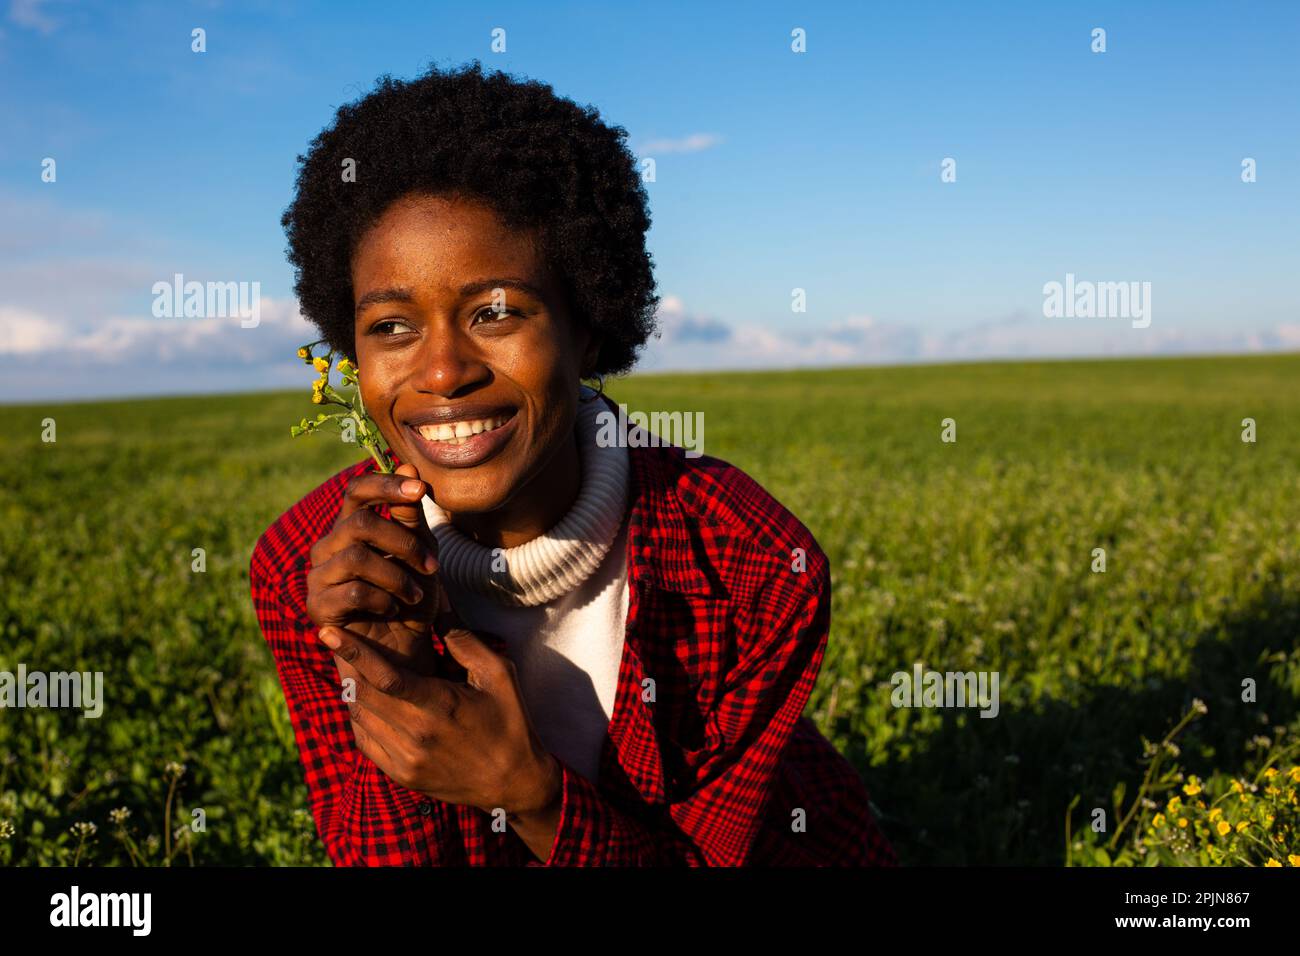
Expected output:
(711, 772)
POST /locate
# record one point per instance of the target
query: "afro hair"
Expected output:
(539, 160)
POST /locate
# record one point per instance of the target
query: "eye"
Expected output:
(493, 314)
(382, 327)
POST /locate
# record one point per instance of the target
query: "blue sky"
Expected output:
(775, 170)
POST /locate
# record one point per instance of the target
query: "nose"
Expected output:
(449, 362)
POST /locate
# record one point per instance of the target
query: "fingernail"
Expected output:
(430, 563)
(330, 638)
(419, 594)
(412, 488)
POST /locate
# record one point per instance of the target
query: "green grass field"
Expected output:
(973, 555)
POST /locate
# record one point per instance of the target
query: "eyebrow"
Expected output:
(485, 285)
(403, 294)
(384, 295)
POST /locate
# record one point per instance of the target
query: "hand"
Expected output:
(471, 743)
(378, 576)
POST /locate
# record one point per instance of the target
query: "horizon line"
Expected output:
(780, 370)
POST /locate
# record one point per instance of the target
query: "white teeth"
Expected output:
(460, 432)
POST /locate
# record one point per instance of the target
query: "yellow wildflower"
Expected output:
(1174, 803)
(320, 365)
(1242, 825)
(1192, 787)
(1271, 790)
(1272, 862)
(1216, 813)
(1237, 787)
(346, 367)
(304, 354)
(1294, 859)
(1224, 828)
(1270, 773)
(1182, 822)
(1294, 774)
(1158, 820)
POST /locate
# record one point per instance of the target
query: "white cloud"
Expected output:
(23, 332)
(122, 355)
(141, 341)
(29, 14)
(692, 342)
(694, 143)
(75, 320)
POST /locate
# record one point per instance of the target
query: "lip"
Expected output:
(448, 414)
(474, 450)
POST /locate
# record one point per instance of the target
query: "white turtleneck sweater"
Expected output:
(560, 604)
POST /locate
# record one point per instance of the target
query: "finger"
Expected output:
(412, 514)
(417, 720)
(367, 662)
(486, 668)
(417, 551)
(373, 488)
(408, 702)
(371, 745)
(342, 603)
(360, 561)
(376, 737)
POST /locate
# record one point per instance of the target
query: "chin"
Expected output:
(466, 494)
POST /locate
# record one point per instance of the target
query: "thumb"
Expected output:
(412, 515)
(446, 619)
(465, 647)
(469, 651)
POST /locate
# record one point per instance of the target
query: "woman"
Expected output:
(530, 646)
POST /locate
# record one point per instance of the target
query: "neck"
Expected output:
(532, 512)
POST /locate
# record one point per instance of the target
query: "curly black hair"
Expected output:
(538, 159)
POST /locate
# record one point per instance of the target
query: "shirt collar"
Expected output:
(661, 546)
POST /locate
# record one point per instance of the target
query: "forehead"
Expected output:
(442, 241)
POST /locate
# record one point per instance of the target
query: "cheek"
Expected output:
(549, 351)
(372, 388)
(379, 372)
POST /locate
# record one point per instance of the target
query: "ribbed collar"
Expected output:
(557, 562)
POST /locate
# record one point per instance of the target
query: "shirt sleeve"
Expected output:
(717, 820)
(359, 813)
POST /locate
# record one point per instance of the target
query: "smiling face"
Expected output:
(469, 360)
